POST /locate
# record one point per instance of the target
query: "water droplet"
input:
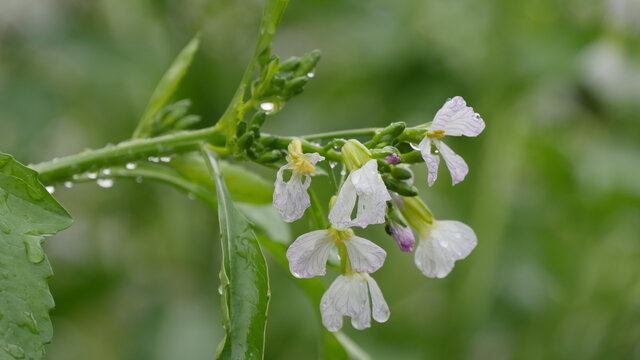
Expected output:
(220, 289)
(310, 75)
(76, 177)
(332, 164)
(165, 159)
(68, 184)
(436, 151)
(51, 189)
(414, 146)
(267, 106)
(106, 171)
(105, 183)
(191, 196)
(343, 172)
(131, 166)
(15, 351)
(139, 179)
(92, 175)
(33, 247)
(153, 158)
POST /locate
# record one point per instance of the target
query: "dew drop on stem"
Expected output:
(131, 166)
(51, 189)
(105, 183)
(68, 184)
(92, 175)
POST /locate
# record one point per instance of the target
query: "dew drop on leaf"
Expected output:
(106, 171)
(68, 184)
(32, 244)
(165, 159)
(51, 189)
(92, 175)
(310, 75)
(153, 159)
(105, 183)
(131, 166)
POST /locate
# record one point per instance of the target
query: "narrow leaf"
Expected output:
(244, 279)
(167, 86)
(27, 213)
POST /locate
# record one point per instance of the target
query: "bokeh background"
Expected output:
(553, 192)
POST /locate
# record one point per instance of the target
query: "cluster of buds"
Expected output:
(378, 190)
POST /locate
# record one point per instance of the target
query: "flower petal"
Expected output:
(446, 242)
(347, 295)
(365, 185)
(365, 256)
(372, 195)
(456, 118)
(291, 197)
(340, 214)
(432, 160)
(379, 306)
(458, 168)
(308, 254)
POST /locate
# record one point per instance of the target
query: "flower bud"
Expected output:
(390, 132)
(290, 64)
(355, 154)
(401, 173)
(417, 213)
(402, 234)
(270, 156)
(398, 186)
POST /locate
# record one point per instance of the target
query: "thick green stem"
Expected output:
(131, 150)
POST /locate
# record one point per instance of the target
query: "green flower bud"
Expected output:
(355, 154)
(399, 187)
(270, 156)
(290, 64)
(308, 62)
(258, 119)
(390, 132)
(417, 213)
(384, 152)
(401, 173)
(245, 141)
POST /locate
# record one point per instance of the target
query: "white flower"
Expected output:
(455, 118)
(348, 295)
(366, 186)
(308, 254)
(441, 244)
(291, 197)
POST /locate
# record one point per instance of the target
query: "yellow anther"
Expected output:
(298, 160)
(439, 134)
(340, 235)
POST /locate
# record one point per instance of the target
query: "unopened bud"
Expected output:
(355, 154)
(270, 156)
(417, 213)
(401, 173)
(290, 64)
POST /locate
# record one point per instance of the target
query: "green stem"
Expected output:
(131, 150)
(342, 134)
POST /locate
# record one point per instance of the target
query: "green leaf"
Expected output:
(244, 279)
(166, 87)
(267, 219)
(27, 213)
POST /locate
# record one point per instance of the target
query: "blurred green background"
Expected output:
(553, 192)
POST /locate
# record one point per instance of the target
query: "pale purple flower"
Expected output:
(441, 245)
(402, 234)
(308, 254)
(392, 159)
(455, 118)
(366, 186)
(348, 295)
(291, 198)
